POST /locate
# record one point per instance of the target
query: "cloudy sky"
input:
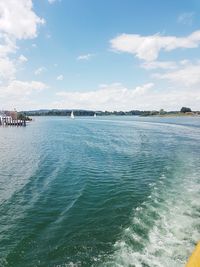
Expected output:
(99, 54)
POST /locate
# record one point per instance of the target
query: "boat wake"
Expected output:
(164, 228)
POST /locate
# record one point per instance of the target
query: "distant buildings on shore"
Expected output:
(12, 114)
(11, 118)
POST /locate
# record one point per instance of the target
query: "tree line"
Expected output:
(67, 112)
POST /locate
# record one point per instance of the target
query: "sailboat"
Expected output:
(72, 115)
(95, 115)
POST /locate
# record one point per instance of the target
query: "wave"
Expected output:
(164, 228)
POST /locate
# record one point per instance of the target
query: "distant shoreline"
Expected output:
(143, 113)
(177, 115)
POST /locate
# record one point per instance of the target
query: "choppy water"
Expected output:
(115, 191)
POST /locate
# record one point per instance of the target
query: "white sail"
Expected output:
(95, 115)
(72, 115)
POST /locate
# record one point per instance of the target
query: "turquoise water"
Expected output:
(105, 191)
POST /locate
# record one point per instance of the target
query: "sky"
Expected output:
(99, 54)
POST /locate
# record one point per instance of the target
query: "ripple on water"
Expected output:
(165, 228)
(109, 192)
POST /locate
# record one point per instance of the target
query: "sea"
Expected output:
(115, 191)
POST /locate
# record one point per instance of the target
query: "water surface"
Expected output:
(104, 191)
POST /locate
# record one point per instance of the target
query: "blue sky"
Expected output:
(105, 54)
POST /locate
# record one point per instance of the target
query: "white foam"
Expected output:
(169, 227)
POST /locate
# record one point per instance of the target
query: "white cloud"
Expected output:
(21, 88)
(149, 47)
(60, 77)
(40, 70)
(184, 62)
(22, 59)
(7, 69)
(107, 97)
(187, 75)
(151, 65)
(166, 65)
(18, 20)
(7, 45)
(117, 97)
(186, 18)
(85, 56)
(19, 94)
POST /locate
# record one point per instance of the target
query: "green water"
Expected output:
(104, 191)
